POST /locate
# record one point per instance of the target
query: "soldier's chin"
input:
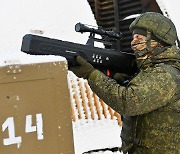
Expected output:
(135, 51)
(134, 46)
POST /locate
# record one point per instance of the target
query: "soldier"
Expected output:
(150, 101)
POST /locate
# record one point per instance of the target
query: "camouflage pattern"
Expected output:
(154, 96)
(161, 27)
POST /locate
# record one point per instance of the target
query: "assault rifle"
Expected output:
(107, 60)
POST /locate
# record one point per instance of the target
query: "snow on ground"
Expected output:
(95, 125)
(96, 135)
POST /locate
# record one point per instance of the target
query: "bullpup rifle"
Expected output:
(107, 60)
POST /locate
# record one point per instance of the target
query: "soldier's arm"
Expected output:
(146, 92)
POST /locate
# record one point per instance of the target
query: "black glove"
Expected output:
(121, 78)
(84, 70)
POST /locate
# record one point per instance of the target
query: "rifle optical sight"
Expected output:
(79, 27)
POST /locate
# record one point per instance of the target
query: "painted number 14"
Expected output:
(10, 126)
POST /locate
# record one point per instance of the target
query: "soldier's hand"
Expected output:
(120, 77)
(84, 69)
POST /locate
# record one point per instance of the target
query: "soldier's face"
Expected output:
(138, 43)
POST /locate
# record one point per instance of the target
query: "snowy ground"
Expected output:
(95, 125)
(97, 135)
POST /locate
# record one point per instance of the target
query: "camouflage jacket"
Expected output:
(154, 96)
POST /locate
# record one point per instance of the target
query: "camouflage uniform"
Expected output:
(150, 101)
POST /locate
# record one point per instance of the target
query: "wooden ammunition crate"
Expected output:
(35, 110)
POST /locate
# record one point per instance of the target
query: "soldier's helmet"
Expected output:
(160, 26)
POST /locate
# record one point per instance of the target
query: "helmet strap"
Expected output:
(159, 51)
(151, 50)
(148, 41)
(148, 47)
